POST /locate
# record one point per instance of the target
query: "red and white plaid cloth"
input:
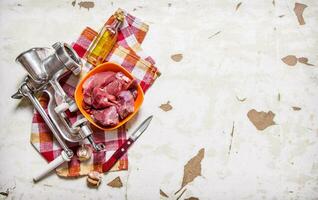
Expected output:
(128, 53)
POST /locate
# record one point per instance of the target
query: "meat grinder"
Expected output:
(46, 67)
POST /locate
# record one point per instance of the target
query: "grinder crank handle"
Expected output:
(52, 165)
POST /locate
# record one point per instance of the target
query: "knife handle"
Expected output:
(117, 155)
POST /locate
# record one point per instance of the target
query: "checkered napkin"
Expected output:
(126, 52)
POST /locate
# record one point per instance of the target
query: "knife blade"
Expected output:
(125, 146)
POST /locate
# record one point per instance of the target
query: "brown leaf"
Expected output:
(166, 106)
(290, 60)
(304, 60)
(116, 183)
(177, 57)
(86, 4)
(192, 198)
(295, 108)
(261, 120)
(299, 9)
(237, 6)
(73, 3)
(163, 194)
(193, 168)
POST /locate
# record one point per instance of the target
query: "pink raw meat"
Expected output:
(109, 96)
(97, 80)
(134, 93)
(121, 76)
(126, 104)
(106, 117)
(101, 99)
(114, 87)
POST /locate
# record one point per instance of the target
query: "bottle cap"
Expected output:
(119, 14)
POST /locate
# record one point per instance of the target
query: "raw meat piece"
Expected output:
(121, 76)
(101, 99)
(131, 84)
(126, 104)
(87, 99)
(122, 82)
(114, 87)
(97, 80)
(87, 88)
(106, 117)
(88, 84)
(134, 93)
(104, 78)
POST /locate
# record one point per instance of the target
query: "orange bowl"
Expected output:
(108, 66)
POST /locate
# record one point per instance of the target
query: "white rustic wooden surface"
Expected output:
(243, 60)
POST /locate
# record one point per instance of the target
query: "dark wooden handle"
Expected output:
(117, 155)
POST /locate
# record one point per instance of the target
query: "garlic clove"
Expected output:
(84, 153)
(94, 178)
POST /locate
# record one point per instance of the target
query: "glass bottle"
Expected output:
(105, 40)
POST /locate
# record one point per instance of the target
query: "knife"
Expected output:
(124, 147)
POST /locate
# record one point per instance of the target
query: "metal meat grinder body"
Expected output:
(45, 68)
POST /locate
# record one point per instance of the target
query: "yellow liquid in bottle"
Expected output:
(101, 47)
(105, 41)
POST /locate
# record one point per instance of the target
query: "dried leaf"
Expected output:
(86, 4)
(299, 9)
(73, 3)
(295, 108)
(166, 106)
(304, 60)
(163, 194)
(237, 6)
(241, 100)
(116, 183)
(290, 60)
(177, 57)
(261, 120)
(280, 16)
(192, 198)
(214, 34)
(193, 168)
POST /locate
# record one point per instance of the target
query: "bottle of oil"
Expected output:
(105, 40)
